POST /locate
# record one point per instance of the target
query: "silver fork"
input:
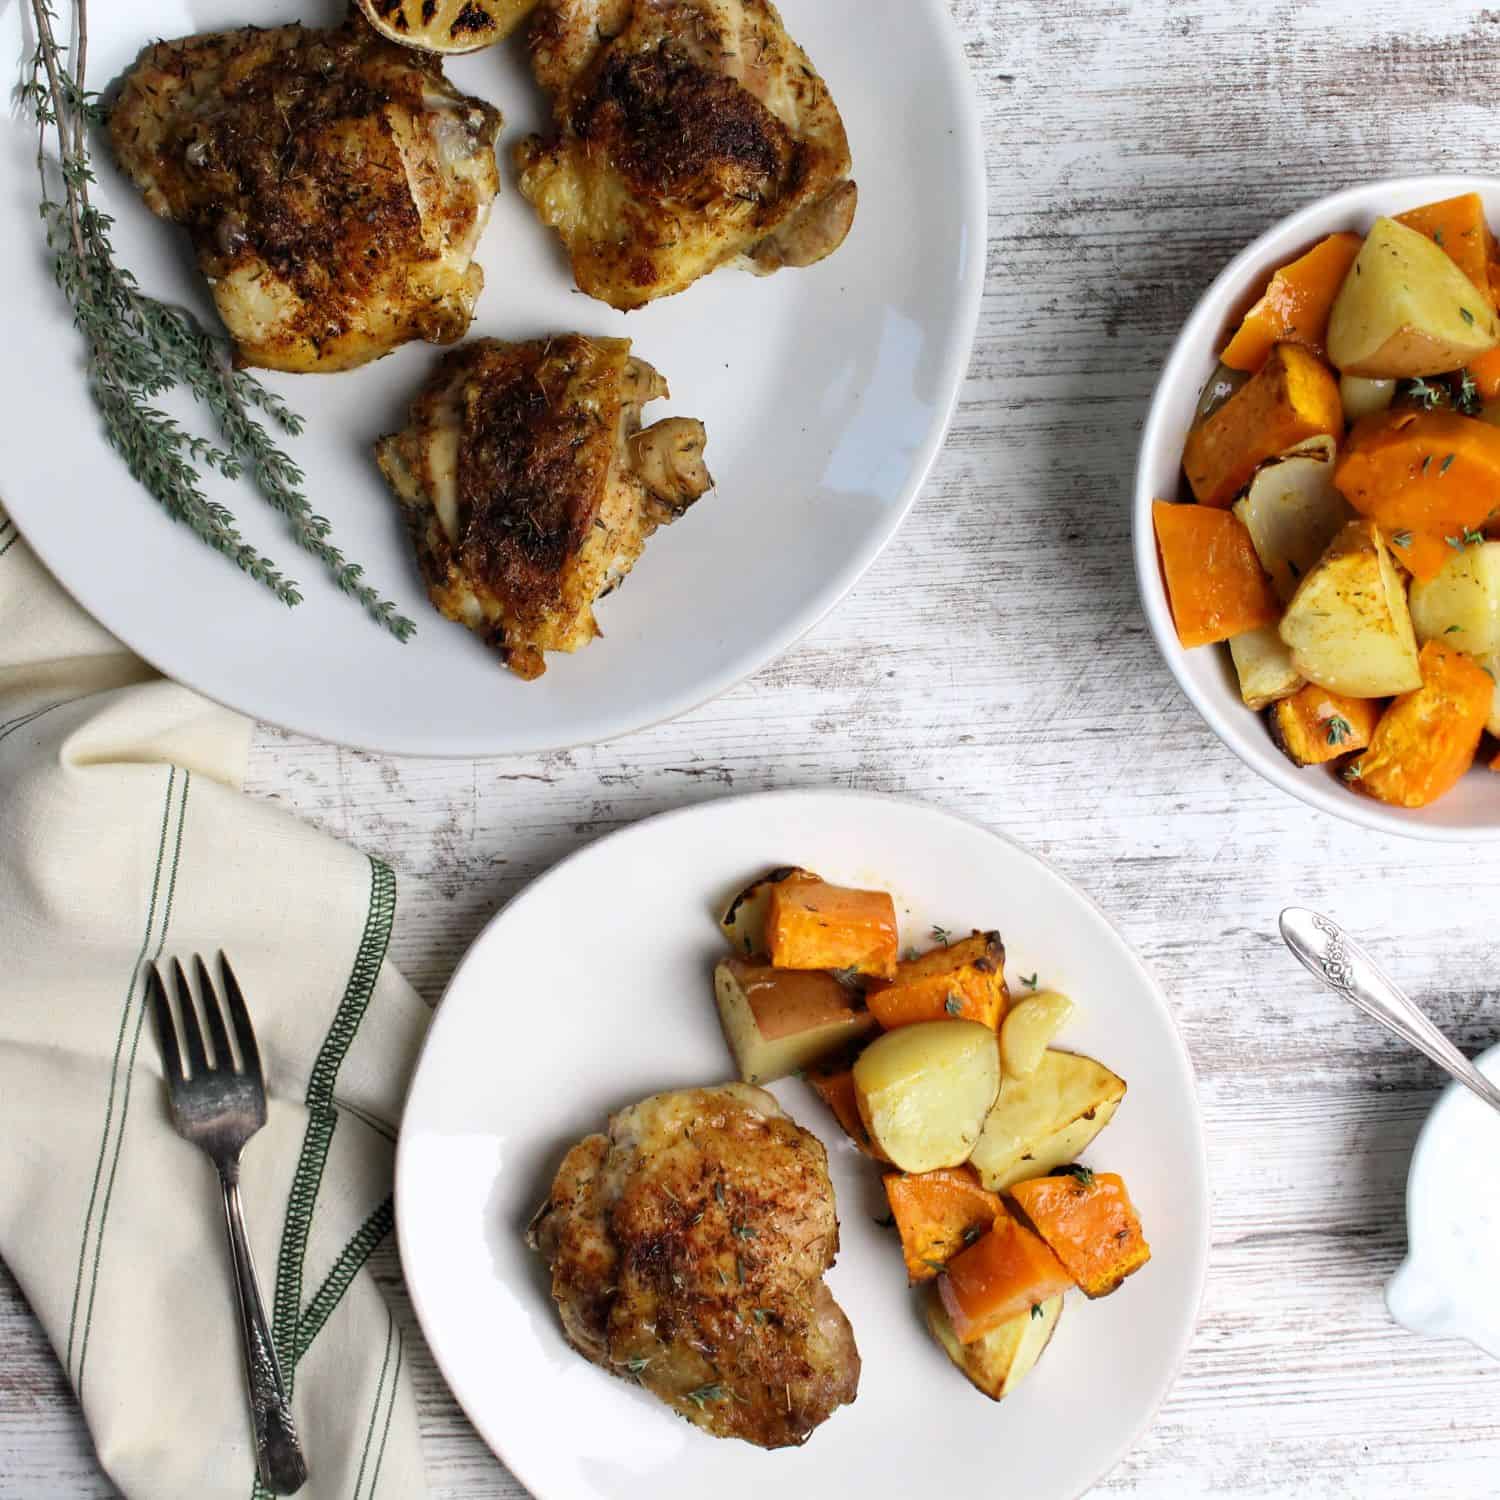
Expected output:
(218, 1106)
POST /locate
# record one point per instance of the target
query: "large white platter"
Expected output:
(592, 990)
(826, 393)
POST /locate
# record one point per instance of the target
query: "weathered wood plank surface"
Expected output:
(995, 662)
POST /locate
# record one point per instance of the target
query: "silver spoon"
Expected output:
(1326, 950)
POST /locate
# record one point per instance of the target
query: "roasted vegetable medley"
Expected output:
(932, 1070)
(1343, 530)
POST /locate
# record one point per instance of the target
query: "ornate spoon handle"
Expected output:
(1327, 951)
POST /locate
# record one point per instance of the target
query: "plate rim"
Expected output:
(1180, 1053)
(398, 739)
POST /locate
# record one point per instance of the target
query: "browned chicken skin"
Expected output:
(687, 1250)
(530, 488)
(690, 134)
(335, 186)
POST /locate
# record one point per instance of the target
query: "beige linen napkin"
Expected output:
(124, 836)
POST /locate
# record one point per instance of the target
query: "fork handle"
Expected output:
(278, 1454)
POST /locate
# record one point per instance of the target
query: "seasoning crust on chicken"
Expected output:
(335, 186)
(530, 489)
(690, 134)
(688, 1247)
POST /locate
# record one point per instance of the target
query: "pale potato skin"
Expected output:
(1263, 664)
(1030, 1026)
(924, 1091)
(1043, 1121)
(1292, 512)
(1405, 309)
(1348, 626)
(777, 1021)
(999, 1361)
(1461, 604)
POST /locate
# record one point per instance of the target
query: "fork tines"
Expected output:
(214, 1008)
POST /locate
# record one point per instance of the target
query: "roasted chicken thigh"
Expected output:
(335, 186)
(690, 134)
(530, 489)
(688, 1247)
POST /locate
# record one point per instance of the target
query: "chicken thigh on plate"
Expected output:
(530, 488)
(688, 1247)
(691, 134)
(335, 186)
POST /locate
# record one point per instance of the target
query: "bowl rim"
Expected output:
(1208, 311)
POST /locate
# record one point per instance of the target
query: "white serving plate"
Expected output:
(1206, 674)
(1447, 1286)
(826, 393)
(592, 989)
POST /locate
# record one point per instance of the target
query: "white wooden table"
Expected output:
(995, 662)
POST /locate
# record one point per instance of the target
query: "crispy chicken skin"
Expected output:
(690, 134)
(530, 489)
(335, 186)
(687, 1250)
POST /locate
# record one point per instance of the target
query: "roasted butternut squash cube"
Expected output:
(1215, 583)
(1428, 738)
(964, 979)
(833, 1082)
(1002, 1274)
(811, 924)
(1429, 478)
(1314, 726)
(1457, 226)
(1089, 1224)
(1291, 397)
(938, 1214)
(779, 1020)
(1296, 304)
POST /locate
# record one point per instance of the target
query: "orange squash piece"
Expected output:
(1485, 369)
(1428, 738)
(1457, 226)
(1291, 397)
(1215, 582)
(938, 1214)
(1296, 304)
(1005, 1272)
(1314, 726)
(1424, 477)
(811, 924)
(833, 1083)
(965, 979)
(1090, 1224)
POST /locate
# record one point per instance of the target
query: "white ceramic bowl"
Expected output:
(1446, 1287)
(1472, 810)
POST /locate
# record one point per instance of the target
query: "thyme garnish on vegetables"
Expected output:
(140, 348)
(1338, 730)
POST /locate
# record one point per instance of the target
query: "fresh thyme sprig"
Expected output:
(139, 348)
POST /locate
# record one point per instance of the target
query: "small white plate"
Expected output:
(592, 989)
(1447, 1286)
(826, 393)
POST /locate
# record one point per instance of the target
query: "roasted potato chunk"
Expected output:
(1263, 663)
(997, 1363)
(1406, 309)
(924, 1091)
(1348, 626)
(779, 1020)
(1046, 1119)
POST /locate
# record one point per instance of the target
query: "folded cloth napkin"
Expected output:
(124, 837)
